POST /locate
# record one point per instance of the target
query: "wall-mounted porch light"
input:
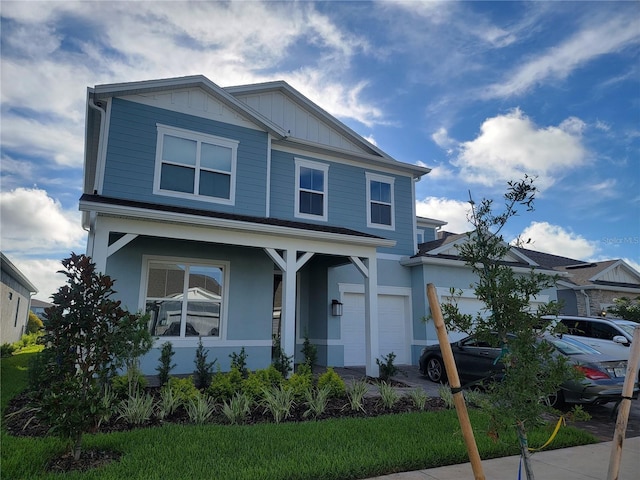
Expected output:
(336, 308)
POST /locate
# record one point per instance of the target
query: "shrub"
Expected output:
(300, 383)
(239, 362)
(257, 381)
(204, 370)
(134, 382)
(333, 380)
(6, 350)
(34, 323)
(310, 352)
(183, 389)
(165, 367)
(387, 368)
(282, 363)
(225, 385)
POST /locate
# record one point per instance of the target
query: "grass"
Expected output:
(332, 449)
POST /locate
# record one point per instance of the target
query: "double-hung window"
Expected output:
(185, 299)
(195, 165)
(380, 211)
(311, 190)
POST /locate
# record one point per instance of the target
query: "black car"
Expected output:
(476, 362)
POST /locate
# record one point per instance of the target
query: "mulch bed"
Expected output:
(20, 421)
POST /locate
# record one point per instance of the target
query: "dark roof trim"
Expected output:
(274, 222)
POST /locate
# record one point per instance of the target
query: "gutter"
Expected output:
(587, 302)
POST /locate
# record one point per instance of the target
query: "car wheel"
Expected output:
(435, 370)
(555, 400)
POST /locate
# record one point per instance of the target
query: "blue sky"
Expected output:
(481, 92)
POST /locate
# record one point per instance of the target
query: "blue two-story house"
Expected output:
(245, 214)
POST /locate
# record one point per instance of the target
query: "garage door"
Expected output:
(393, 318)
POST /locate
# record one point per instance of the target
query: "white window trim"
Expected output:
(301, 162)
(198, 137)
(383, 179)
(189, 341)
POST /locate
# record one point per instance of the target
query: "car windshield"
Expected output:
(627, 327)
(569, 346)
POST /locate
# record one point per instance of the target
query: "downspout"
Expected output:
(587, 302)
(100, 141)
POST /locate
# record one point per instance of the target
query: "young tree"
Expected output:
(88, 336)
(531, 370)
(626, 308)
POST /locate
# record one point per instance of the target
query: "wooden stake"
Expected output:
(454, 381)
(625, 405)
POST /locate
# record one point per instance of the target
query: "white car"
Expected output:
(610, 336)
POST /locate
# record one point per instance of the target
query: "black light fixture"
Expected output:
(336, 308)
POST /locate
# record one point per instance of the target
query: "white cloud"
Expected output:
(43, 274)
(556, 240)
(33, 223)
(511, 145)
(562, 60)
(453, 212)
(442, 139)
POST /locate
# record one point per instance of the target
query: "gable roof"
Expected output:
(312, 128)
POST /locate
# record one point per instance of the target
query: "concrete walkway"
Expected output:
(587, 462)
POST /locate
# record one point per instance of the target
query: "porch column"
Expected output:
(288, 314)
(100, 246)
(371, 327)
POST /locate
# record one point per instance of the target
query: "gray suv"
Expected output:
(610, 336)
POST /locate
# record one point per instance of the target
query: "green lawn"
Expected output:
(333, 449)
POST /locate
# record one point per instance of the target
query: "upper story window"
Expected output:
(195, 165)
(311, 189)
(380, 211)
(185, 299)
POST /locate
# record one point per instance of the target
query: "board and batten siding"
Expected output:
(131, 154)
(347, 202)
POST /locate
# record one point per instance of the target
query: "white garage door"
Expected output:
(393, 318)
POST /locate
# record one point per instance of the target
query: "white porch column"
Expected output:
(100, 246)
(371, 327)
(288, 314)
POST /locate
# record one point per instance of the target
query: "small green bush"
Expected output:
(310, 352)
(282, 362)
(387, 368)
(200, 409)
(300, 383)
(388, 396)
(356, 393)
(334, 381)
(239, 362)
(257, 381)
(224, 385)
(137, 409)
(279, 401)
(131, 383)
(183, 389)
(204, 369)
(165, 367)
(6, 350)
(238, 408)
(34, 323)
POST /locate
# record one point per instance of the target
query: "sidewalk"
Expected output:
(587, 462)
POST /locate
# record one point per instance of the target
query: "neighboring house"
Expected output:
(588, 288)
(439, 263)
(240, 214)
(15, 294)
(38, 307)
